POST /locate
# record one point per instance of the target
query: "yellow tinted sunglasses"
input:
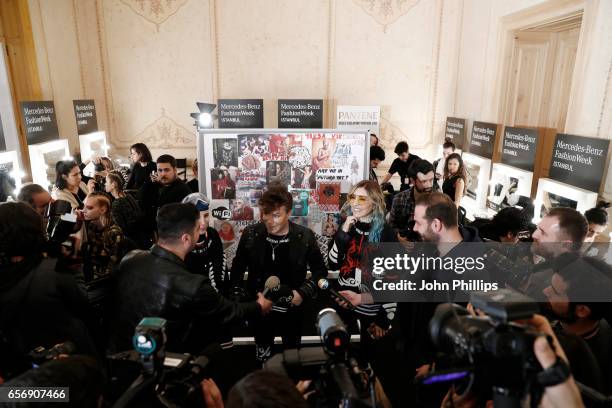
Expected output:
(359, 199)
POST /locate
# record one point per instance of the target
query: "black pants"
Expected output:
(287, 324)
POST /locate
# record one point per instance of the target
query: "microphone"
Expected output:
(283, 296)
(324, 285)
(272, 284)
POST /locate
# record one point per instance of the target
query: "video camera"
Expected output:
(339, 379)
(41, 355)
(489, 355)
(166, 379)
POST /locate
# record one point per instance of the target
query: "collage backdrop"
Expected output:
(318, 166)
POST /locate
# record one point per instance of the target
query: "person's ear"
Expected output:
(436, 225)
(582, 311)
(186, 240)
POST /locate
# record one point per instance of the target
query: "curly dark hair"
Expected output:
(276, 196)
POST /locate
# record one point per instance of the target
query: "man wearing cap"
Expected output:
(207, 258)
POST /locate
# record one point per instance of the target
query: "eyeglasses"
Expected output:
(360, 199)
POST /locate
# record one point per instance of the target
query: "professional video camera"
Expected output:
(492, 356)
(166, 379)
(41, 355)
(338, 378)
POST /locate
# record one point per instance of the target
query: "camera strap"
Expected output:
(555, 374)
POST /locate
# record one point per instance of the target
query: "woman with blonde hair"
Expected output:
(364, 223)
(103, 243)
(349, 253)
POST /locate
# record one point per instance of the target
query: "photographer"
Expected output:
(80, 374)
(576, 297)
(38, 306)
(561, 231)
(157, 283)
(68, 184)
(562, 395)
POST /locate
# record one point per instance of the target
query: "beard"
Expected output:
(549, 312)
(429, 236)
(424, 190)
(540, 249)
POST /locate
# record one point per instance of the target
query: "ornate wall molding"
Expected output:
(436, 69)
(79, 52)
(391, 134)
(155, 11)
(386, 12)
(214, 39)
(331, 54)
(166, 133)
(604, 102)
(106, 76)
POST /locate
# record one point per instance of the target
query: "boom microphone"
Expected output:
(324, 285)
(272, 284)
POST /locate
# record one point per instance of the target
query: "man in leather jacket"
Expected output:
(278, 247)
(157, 283)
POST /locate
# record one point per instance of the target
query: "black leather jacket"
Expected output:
(304, 253)
(156, 283)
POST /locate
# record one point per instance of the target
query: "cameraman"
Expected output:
(38, 306)
(562, 395)
(157, 283)
(576, 297)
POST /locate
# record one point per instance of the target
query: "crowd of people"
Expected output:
(87, 262)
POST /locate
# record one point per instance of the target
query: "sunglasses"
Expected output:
(360, 199)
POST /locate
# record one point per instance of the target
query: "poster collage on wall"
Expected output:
(319, 168)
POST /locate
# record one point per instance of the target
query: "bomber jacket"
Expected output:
(304, 253)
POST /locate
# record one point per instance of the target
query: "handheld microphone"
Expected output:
(283, 296)
(324, 285)
(272, 284)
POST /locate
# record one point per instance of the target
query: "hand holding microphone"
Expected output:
(341, 299)
(276, 292)
(272, 284)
